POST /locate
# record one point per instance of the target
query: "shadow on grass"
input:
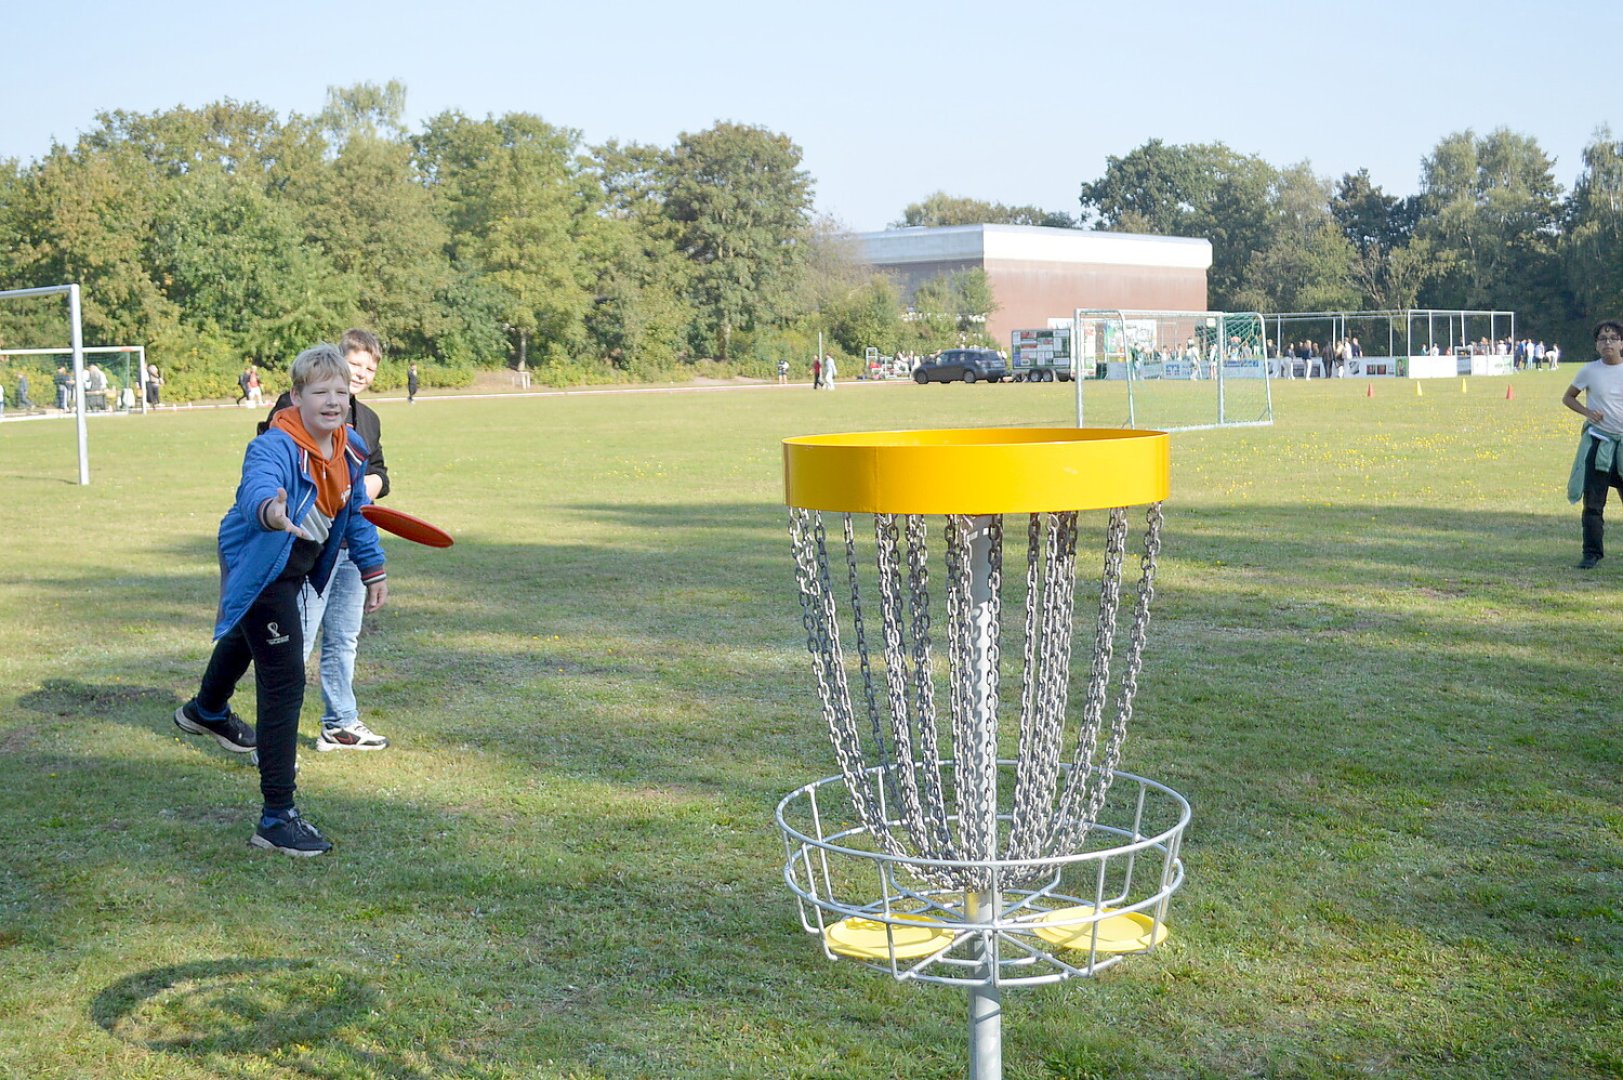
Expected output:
(237, 1014)
(77, 700)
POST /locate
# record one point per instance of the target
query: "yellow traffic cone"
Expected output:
(1462, 386)
(1419, 391)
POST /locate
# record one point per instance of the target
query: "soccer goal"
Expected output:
(77, 349)
(1181, 370)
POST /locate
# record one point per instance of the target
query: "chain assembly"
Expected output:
(889, 746)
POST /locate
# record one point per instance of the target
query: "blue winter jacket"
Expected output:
(252, 556)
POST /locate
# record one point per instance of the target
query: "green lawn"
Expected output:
(1373, 669)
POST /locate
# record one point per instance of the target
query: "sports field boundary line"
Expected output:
(598, 391)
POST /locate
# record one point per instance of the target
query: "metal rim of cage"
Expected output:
(896, 776)
(1090, 909)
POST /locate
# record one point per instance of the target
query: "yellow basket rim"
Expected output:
(977, 470)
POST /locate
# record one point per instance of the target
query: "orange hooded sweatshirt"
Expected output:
(331, 474)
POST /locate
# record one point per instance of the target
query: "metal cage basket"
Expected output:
(936, 854)
(1081, 913)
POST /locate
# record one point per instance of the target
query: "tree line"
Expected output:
(1489, 228)
(226, 234)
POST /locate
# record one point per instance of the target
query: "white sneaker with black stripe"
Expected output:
(356, 736)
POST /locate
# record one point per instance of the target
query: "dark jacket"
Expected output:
(365, 423)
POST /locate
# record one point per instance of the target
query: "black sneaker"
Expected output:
(291, 835)
(230, 733)
(1589, 562)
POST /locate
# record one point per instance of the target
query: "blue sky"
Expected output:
(1016, 102)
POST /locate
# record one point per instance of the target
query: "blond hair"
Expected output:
(319, 362)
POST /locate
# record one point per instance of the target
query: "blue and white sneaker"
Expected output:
(231, 733)
(291, 835)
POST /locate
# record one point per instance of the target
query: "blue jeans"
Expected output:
(334, 617)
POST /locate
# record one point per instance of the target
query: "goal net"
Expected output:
(1179, 370)
(75, 350)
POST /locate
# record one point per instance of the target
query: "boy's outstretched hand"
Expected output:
(276, 516)
(377, 594)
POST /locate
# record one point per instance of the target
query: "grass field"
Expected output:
(1373, 669)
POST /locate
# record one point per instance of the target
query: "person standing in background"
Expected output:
(1599, 465)
(335, 614)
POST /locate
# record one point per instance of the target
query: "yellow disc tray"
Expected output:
(977, 470)
(866, 939)
(1123, 932)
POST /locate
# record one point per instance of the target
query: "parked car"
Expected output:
(961, 365)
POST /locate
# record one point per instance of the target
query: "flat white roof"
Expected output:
(1031, 243)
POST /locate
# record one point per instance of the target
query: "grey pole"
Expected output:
(78, 344)
(1076, 362)
(978, 802)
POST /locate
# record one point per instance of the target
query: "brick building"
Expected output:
(1038, 273)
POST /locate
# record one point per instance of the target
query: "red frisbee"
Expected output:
(406, 526)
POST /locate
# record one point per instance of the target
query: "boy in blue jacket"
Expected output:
(300, 496)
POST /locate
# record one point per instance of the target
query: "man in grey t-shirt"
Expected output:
(1601, 456)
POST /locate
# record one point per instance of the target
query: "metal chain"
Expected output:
(1065, 822)
(903, 784)
(1135, 662)
(823, 642)
(870, 696)
(974, 630)
(1037, 811)
(1072, 828)
(1033, 782)
(929, 751)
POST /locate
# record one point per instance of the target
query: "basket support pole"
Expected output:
(980, 800)
(985, 1000)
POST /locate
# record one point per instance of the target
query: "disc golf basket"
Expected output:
(950, 850)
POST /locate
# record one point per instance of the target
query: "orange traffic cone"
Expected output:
(1510, 393)
(1369, 391)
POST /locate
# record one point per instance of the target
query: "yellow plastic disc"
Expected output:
(1129, 931)
(866, 939)
(977, 470)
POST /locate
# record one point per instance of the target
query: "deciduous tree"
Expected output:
(739, 205)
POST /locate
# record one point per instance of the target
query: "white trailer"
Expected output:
(1040, 355)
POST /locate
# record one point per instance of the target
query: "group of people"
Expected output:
(1534, 354)
(95, 387)
(1317, 361)
(299, 562)
(1524, 352)
(249, 390)
(824, 371)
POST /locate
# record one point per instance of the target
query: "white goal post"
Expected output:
(1181, 370)
(77, 347)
